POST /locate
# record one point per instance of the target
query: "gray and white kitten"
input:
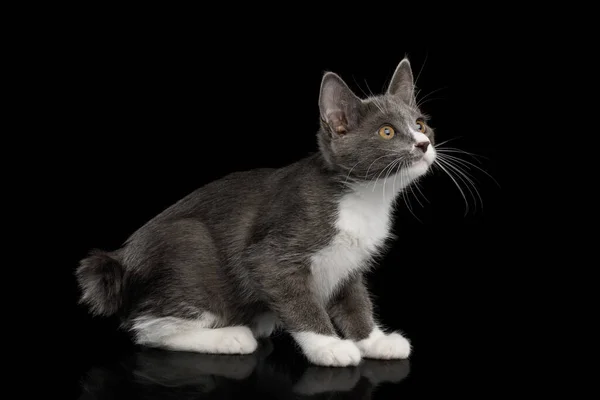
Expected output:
(270, 248)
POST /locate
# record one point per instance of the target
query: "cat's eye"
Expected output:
(421, 125)
(387, 132)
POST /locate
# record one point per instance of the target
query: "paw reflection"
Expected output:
(159, 374)
(317, 380)
(322, 379)
(180, 368)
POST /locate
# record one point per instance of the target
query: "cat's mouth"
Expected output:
(418, 159)
(423, 159)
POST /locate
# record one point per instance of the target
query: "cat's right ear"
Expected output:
(338, 105)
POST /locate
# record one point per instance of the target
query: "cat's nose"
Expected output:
(422, 145)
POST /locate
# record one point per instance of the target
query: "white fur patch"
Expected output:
(327, 351)
(419, 136)
(373, 336)
(384, 346)
(197, 335)
(149, 329)
(363, 225)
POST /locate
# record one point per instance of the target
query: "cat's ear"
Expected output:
(402, 84)
(338, 105)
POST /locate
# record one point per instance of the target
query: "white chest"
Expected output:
(363, 224)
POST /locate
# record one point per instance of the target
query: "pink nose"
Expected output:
(422, 145)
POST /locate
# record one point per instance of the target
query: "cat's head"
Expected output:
(380, 135)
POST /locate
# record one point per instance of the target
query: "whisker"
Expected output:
(421, 102)
(404, 197)
(455, 150)
(460, 160)
(437, 145)
(412, 185)
(347, 176)
(416, 95)
(459, 164)
(395, 178)
(374, 161)
(428, 100)
(369, 95)
(463, 177)
(439, 164)
(418, 186)
(421, 70)
(382, 171)
(386, 176)
(360, 88)
(378, 104)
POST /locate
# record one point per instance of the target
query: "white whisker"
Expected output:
(455, 150)
(347, 176)
(422, 100)
(404, 196)
(428, 100)
(382, 171)
(374, 161)
(386, 176)
(413, 184)
(421, 70)
(378, 104)
(464, 178)
(437, 146)
(439, 164)
(418, 186)
(467, 164)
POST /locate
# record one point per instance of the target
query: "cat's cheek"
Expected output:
(384, 346)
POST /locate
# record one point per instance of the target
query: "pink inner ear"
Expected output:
(338, 121)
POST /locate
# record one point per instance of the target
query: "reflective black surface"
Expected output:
(275, 371)
(449, 358)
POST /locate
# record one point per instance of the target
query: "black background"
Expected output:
(154, 116)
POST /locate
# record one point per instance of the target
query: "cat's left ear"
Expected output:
(402, 84)
(338, 105)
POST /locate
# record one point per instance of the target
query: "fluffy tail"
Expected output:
(100, 279)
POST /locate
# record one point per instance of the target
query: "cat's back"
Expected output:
(234, 191)
(252, 189)
(215, 217)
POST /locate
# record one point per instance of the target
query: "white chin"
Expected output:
(418, 168)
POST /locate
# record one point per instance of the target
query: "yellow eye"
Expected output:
(386, 132)
(421, 125)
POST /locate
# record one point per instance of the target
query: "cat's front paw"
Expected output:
(339, 353)
(385, 347)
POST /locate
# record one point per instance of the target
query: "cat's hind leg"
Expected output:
(263, 325)
(195, 335)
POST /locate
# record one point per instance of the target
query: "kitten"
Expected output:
(271, 248)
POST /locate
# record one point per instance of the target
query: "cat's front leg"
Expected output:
(352, 312)
(292, 299)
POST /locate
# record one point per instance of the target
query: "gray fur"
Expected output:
(351, 310)
(240, 246)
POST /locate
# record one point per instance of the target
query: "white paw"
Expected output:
(385, 347)
(339, 353)
(236, 340)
